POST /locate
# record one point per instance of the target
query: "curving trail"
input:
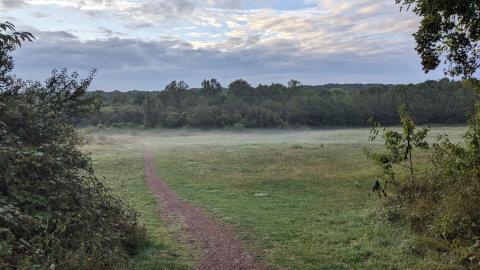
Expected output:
(220, 249)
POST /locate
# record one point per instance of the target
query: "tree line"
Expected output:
(295, 105)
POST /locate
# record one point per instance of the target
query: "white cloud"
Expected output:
(330, 28)
(191, 39)
(11, 4)
(132, 64)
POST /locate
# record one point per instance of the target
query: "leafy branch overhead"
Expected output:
(10, 36)
(449, 29)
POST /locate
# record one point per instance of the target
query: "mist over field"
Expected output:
(185, 137)
(297, 194)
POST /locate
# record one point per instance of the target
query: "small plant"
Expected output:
(399, 146)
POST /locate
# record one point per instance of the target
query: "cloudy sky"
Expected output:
(144, 44)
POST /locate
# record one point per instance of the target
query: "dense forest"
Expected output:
(265, 106)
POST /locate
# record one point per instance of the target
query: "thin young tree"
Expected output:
(449, 33)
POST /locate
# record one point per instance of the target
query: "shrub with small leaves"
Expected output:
(54, 213)
(443, 201)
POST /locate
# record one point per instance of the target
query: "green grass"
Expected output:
(304, 207)
(298, 199)
(121, 168)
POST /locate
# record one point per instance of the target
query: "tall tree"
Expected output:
(176, 92)
(449, 29)
(210, 87)
(294, 84)
(152, 108)
(240, 88)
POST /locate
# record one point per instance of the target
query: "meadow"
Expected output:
(299, 199)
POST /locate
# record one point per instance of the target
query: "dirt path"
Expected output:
(220, 248)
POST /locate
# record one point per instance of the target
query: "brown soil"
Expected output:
(220, 249)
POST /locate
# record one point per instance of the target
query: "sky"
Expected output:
(145, 44)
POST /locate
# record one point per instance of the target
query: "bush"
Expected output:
(439, 199)
(54, 213)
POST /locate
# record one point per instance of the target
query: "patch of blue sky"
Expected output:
(276, 4)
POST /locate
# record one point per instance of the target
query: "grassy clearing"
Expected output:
(298, 198)
(121, 167)
(306, 206)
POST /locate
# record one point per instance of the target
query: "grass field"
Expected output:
(299, 199)
(121, 167)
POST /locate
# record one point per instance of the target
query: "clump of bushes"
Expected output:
(434, 187)
(54, 213)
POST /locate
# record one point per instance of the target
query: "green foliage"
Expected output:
(211, 87)
(240, 88)
(54, 213)
(443, 202)
(440, 102)
(451, 29)
(152, 109)
(9, 40)
(294, 84)
(399, 146)
(9, 36)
